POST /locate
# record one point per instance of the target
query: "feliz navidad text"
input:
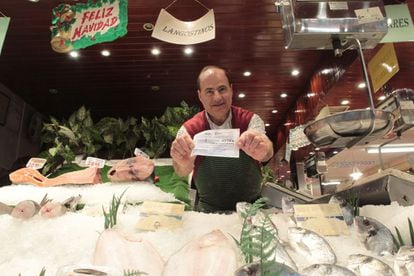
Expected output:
(94, 21)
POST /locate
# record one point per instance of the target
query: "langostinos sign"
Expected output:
(85, 24)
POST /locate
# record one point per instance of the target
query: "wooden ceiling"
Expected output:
(132, 82)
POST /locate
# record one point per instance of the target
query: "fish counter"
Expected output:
(203, 244)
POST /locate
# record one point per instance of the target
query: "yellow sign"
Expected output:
(383, 66)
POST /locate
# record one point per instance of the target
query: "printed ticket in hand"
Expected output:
(217, 142)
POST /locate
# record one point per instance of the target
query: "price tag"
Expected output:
(95, 162)
(369, 15)
(407, 105)
(36, 163)
(139, 152)
(338, 6)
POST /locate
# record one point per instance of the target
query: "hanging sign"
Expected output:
(170, 29)
(400, 24)
(82, 25)
(4, 24)
(383, 66)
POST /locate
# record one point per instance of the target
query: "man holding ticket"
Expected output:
(221, 179)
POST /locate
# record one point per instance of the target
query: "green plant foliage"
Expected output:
(258, 242)
(353, 200)
(399, 240)
(267, 175)
(111, 215)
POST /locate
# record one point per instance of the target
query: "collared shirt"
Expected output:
(256, 123)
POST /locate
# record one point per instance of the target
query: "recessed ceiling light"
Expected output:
(74, 54)
(317, 148)
(335, 152)
(274, 111)
(283, 95)
(288, 124)
(381, 98)
(325, 71)
(242, 95)
(105, 53)
(155, 51)
(267, 124)
(247, 73)
(295, 72)
(33, 0)
(362, 85)
(188, 51)
(345, 102)
(310, 95)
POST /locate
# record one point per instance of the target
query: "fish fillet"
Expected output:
(115, 250)
(211, 254)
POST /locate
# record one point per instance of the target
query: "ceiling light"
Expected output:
(242, 95)
(274, 111)
(396, 148)
(288, 124)
(345, 102)
(317, 148)
(33, 0)
(362, 85)
(310, 95)
(155, 51)
(295, 72)
(335, 152)
(247, 73)
(356, 173)
(74, 54)
(267, 124)
(188, 51)
(105, 53)
(283, 95)
(330, 183)
(381, 98)
(325, 71)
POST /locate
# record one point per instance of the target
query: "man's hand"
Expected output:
(180, 152)
(255, 144)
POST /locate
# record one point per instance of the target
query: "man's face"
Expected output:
(215, 94)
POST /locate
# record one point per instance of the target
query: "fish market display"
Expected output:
(32, 176)
(28, 208)
(254, 269)
(404, 261)
(118, 251)
(131, 169)
(327, 270)
(212, 254)
(346, 208)
(375, 236)
(368, 266)
(311, 245)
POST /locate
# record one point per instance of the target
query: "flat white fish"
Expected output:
(327, 270)
(375, 236)
(404, 261)
(346, 208)
(116, 250)
(368, 266)
(212, 254)
(311, 245)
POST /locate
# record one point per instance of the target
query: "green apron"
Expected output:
(222, 182)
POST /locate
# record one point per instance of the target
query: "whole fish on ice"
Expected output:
(119, 251)
(327, 270)
(346, 208)
(375, 236)
(254, 269)
(311, 245)
(28, 208)
(368, 266)
(212, 254)
(404, 261)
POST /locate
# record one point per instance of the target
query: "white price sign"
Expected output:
(36, 163)
(95, 162)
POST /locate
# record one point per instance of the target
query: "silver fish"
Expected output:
(72, 202)
(287, 204)
(327, 270)
(346, 208)
(311, 245)
(254, 269)
(375, 236)
(5, 209)
(368, 266)
(404, 261)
